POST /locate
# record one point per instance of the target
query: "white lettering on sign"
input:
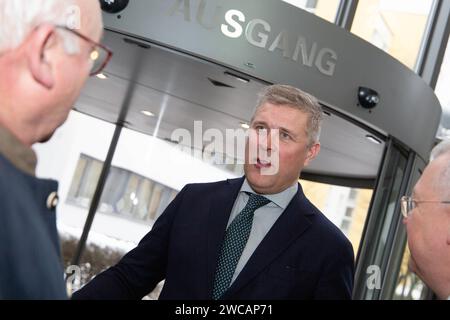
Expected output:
(237, 32)
(261, 38)
(258, 33)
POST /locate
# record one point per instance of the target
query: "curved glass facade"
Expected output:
(326, 9)
(395, 26)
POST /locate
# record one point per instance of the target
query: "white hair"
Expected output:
(19, 17)
(440, 150)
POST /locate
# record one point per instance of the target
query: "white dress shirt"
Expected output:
(264, 218)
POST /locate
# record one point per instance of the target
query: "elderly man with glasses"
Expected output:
(427, 219)
(44, 64)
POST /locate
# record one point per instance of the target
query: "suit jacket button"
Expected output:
(52, 200)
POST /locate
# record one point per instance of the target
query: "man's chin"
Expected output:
(259, 182)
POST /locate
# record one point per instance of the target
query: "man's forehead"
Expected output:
(418, 187)
(428, 179)
(284, 122)
(281, 124)
(281, 110)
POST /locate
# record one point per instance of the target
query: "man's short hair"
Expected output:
(441, 148)
(19, 17)
(443, 183)
(296, 98)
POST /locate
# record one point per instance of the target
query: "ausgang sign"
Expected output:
(259, 33)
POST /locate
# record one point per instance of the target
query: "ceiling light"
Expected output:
(147, 113)
(245, 125)
(239, 78)
(373, 139)
(102, 76)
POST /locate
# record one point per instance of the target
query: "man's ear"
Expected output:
(312, 153)
(39, 43)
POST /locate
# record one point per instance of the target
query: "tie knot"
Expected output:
(255, 201)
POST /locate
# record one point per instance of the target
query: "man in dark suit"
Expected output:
(257, 237)
(43, 68)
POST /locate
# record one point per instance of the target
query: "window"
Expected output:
(349, 212)
(326, 9)
(395, 26)
(345, 225)
(353, 194)
(347, 220)
(84, 181)
(346, 207)
(444, 95)
(126, 194)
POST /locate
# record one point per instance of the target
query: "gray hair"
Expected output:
(443, 150)
(19, 17)
(296, 98)
(440, 149)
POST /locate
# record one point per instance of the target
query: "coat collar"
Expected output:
(21, 156)
(281, 199)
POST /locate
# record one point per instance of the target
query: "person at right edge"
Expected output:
(256, 237)
(427, 219)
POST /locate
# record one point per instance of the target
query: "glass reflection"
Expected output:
(395, 26)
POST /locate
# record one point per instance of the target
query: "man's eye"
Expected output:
(285, 135)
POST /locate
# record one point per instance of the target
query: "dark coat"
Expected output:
(304, 256)
(30, 264)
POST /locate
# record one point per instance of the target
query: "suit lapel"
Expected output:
(219, 213)
(290, 225)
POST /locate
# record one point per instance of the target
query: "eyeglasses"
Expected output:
(99, 54)
(408, 204)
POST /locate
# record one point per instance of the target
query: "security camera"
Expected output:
(113, 6)
(368, 98)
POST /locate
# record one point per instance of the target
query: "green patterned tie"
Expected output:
(234, 242)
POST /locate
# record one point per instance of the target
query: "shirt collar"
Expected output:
(21, 156)
(281, 199)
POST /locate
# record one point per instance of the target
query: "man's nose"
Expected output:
(405, 221)
(265, 140)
